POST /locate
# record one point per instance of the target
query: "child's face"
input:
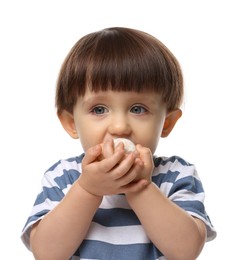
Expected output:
(108, 114)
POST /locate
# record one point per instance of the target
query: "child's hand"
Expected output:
(113, 174)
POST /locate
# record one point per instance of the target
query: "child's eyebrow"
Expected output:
(92, 99)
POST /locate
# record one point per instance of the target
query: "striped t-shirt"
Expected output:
(115, 231)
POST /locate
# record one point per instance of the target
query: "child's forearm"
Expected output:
(60, 232)
(175, 233)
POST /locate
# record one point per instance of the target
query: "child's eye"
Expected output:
(99, 110)
(138, 110)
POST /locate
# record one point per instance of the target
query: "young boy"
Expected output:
(108, 203)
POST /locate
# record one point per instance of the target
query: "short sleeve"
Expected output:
(180, 182)
(54, 185)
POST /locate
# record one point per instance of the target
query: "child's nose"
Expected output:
(120, 126)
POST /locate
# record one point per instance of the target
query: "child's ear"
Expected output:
(67, 121)
(170, 121)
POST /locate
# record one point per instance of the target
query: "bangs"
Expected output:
(121, 63)
(124, 62)
(119, 59)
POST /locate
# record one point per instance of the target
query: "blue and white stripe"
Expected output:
(116, 232)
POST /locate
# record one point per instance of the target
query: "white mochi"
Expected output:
(129, 146)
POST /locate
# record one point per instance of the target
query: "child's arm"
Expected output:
(174, 232)
(61, 231)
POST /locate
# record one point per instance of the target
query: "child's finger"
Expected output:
(145, 154)
(92, 154)
(147, 158)
(109, 163)
(124, 167)
(107, 148)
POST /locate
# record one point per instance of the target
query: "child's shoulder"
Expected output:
(65, 163)
(175, 173)
(63, 167)
(173, 167)
(172, 160)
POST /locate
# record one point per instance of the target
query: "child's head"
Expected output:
(119, 82)
(119, 59)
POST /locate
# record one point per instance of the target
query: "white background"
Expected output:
(35, 36)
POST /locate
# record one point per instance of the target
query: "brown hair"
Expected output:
(119, 59)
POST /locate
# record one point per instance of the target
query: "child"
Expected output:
(108, 203)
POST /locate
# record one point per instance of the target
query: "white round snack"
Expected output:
(129, 146)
